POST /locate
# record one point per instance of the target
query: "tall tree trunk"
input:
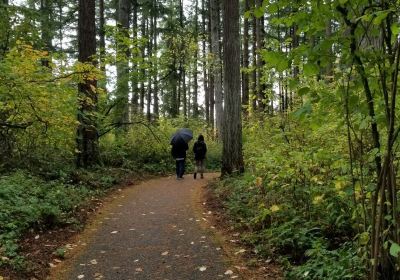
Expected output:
(46, 28)
(232, 157)
(156, 109)
(216, 66)
(142, 66)
(186, 108)
(196, 55)
(211, 87)
(135, 72)
(245, 75)
(259, 38)
(150, 65)
(87, 133)
(6, 27)
(204, 65)
(254, 86)
(122, 108)
(102, 36)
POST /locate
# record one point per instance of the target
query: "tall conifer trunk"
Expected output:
(87, 133)
(232, 158)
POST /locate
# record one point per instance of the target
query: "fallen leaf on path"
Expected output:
(93, 261)
(228, 272)
(135, 260)
(164, 253)
(114, 232)
(203, 268)
(241, 251)
(234, 276)
(52, 265)
(139, 269)
(81, 276)
(37, 236)
(98, 275)
(192, 242)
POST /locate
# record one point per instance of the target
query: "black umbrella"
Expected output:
(184, 134)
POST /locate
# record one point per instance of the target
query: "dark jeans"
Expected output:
(180, 168)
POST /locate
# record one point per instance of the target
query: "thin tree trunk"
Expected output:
(210, 73)
(150, 65)
(253, 90)
(102, 36)
(135, 72)
(245, 75)
(143, 70)
(216, 67)
(122, 108)
(155, 50)
(195, 70)
(204, 65)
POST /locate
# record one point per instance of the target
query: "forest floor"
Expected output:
(158, 229)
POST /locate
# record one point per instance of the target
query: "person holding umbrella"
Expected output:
(179, 142)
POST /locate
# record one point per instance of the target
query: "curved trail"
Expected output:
(155, 230)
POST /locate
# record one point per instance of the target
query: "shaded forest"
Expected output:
(297, 101)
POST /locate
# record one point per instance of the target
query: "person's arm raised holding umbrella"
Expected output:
(179, 142)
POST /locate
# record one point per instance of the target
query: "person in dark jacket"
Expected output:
(178, 151)
(199, 150)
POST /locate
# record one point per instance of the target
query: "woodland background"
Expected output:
(90, 92)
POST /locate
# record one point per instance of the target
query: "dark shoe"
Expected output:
(194, 175)
(202, 177)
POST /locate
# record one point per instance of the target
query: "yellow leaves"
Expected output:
(318, 199)
(259, 181)
(275, 208)
(339, 185)
(363, 238)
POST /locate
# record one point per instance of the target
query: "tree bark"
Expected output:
(87, 132)
(195, 70)
(156, 110)
(253, 91)
(135, 72)
(216, 66)
(122, 108)
(246, 63)
(204, 54)
(102, 36)
(232, 158)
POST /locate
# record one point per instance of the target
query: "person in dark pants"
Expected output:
(178, 151)
(199, 150)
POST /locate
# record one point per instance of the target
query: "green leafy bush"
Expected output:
(30, 202)
(296, 201)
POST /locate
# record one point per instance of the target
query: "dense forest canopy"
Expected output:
(308, 90)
